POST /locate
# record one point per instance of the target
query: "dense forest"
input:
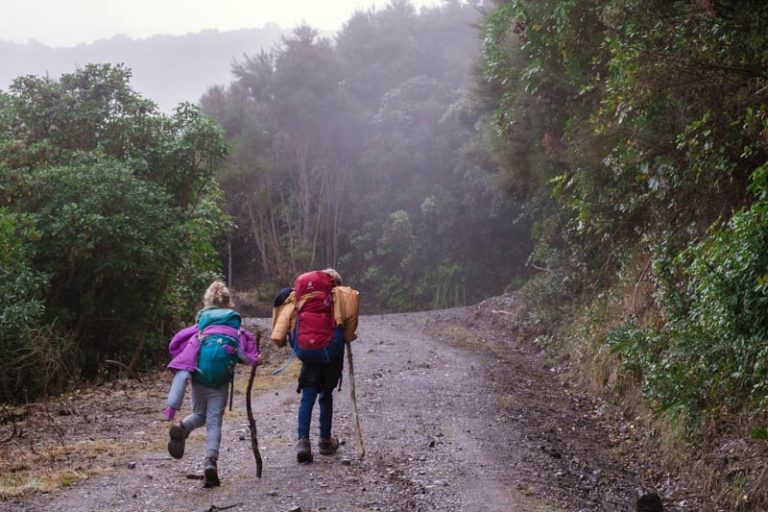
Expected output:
(606, 158)
(360, 154)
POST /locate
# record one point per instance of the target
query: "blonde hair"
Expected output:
(218, 294)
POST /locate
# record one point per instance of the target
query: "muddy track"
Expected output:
(455, 415)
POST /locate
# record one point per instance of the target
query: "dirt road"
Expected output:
(455, 416)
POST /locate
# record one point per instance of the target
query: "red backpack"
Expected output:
(314, 310)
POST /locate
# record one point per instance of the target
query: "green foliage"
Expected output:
(637, 127)
(450, 286)
(712, 350)
(760, 434)
(110, 213)
(20, 310)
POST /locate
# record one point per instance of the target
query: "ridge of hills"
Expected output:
(167, 69)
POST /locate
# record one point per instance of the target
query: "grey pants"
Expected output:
(208, 406)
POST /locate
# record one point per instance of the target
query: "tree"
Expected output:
(291, 129)
(114, 207)
(352, 155)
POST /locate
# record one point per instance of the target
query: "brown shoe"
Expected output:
(178, 435)
(303, 450)
(328, 446)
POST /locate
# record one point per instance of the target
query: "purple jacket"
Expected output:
(185, 345)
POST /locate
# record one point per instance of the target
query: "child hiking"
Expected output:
(207, 353)
(316, 317)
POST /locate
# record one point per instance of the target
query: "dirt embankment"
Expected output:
(455, 414)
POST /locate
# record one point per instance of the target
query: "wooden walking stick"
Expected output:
(360, 446)
(249, 410)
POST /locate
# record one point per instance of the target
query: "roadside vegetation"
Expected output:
(108, 215)
(354, 152)
(606, 158)
(638, 133)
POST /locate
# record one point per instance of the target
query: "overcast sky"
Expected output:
(69, 22)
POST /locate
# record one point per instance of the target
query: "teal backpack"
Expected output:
(218, 353)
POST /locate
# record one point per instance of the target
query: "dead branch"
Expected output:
(124, 366)
(31, 446)
(140, 410)
(59, 430)
(638, 282)
(13, 434)
(214, 508)
(542, 269)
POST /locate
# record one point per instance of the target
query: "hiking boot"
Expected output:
(303, 450)
(328, 445)
(210, 474)
(178, 435)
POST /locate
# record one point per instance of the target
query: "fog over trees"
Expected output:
(365, 151)
(362, 152)
(166, 69)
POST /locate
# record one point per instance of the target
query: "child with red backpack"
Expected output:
(317, 337)
(207, 353)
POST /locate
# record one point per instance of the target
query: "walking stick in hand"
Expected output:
(249, 410)
(360, 446)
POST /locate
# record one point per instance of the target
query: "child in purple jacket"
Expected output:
(216, 319)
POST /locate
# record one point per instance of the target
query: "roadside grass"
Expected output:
(45, 469)
(530, 503)
(264, 380)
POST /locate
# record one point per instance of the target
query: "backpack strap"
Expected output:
(293, 349)
(304, 298)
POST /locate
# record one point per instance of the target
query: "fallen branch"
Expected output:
(142, 410)
(542, 269)
(124, 366)
(214, 508)
(358, 431)
(59, 431)
(13, 434)
(249, 410)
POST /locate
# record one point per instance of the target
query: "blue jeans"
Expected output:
(308, 397)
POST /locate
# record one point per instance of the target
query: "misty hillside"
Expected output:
(607, 161)
(168, 69)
